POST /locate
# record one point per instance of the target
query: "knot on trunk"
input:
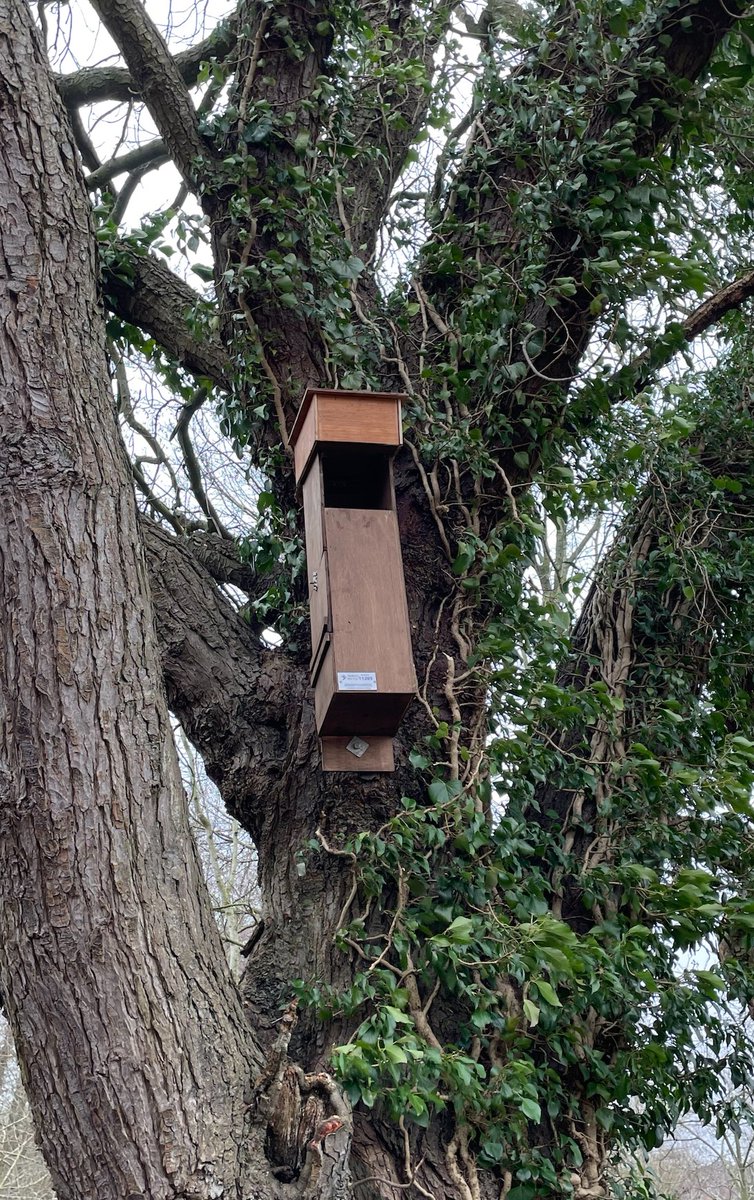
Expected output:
(307, 1119)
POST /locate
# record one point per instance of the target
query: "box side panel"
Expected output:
(311, 494)
(324, 688)
(319, 604)
(305, 435)
(361, 419)
(316, 557)
(367, 599)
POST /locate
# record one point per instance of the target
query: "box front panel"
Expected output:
(358, 419)
(371, 636)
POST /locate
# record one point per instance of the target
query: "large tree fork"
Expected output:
(244, 707)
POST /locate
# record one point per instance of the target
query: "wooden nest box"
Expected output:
(362, 667)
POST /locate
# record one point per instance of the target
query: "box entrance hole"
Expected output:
(356, 478)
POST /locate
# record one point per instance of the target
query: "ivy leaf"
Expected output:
(258, 131)
(464, 558)
(399, 1017)
(349, 269)
(531, 1109)
(460, 930)
(547, 992)
(724, 483)
(532, 1012)
(438, 791)
(710, 980)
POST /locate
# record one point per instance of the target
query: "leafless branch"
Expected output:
(157, 80)
(727, 298)
(153, 154)
(94, 84)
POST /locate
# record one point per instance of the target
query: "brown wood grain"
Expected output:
(302, 439)
(311, 495)
(332, 417)
(316, 561)
(370, 624)
(335, 756)
(361, 419)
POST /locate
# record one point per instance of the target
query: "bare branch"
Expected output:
(154, 154)
(125, 193)
(193, 469)
(144, 291)
(157, 80)
(84, 142)
(94, 84)
(637, 374)
(730, 296)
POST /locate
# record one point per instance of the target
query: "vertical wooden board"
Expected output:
(316, 558)
(337, 757)
(358, 419)
(303, 436)
(324, 686)
(319, 602)
(318, 655)
(369, 614)
(312, 496)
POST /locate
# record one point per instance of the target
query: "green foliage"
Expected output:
(565, 913)
(559, 898)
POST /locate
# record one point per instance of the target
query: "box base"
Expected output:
(378, 755)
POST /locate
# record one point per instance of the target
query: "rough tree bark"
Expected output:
(126, 1021)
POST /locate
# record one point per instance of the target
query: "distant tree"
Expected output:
(23, 1175)
(697, 1165)
(465, 980)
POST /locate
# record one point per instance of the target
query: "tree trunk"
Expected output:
(135, 1051)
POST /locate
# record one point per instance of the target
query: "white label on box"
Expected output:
(357, 681)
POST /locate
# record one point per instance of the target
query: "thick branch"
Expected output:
(154, 154)
(157, 80)
(726, 299)
(664, 610)
(281, 59)
(382, 145)
(661, 661)
(482, 219)
(732, 295)
(145, 292)
(228, 690)
(94, 84)
(215, 553)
